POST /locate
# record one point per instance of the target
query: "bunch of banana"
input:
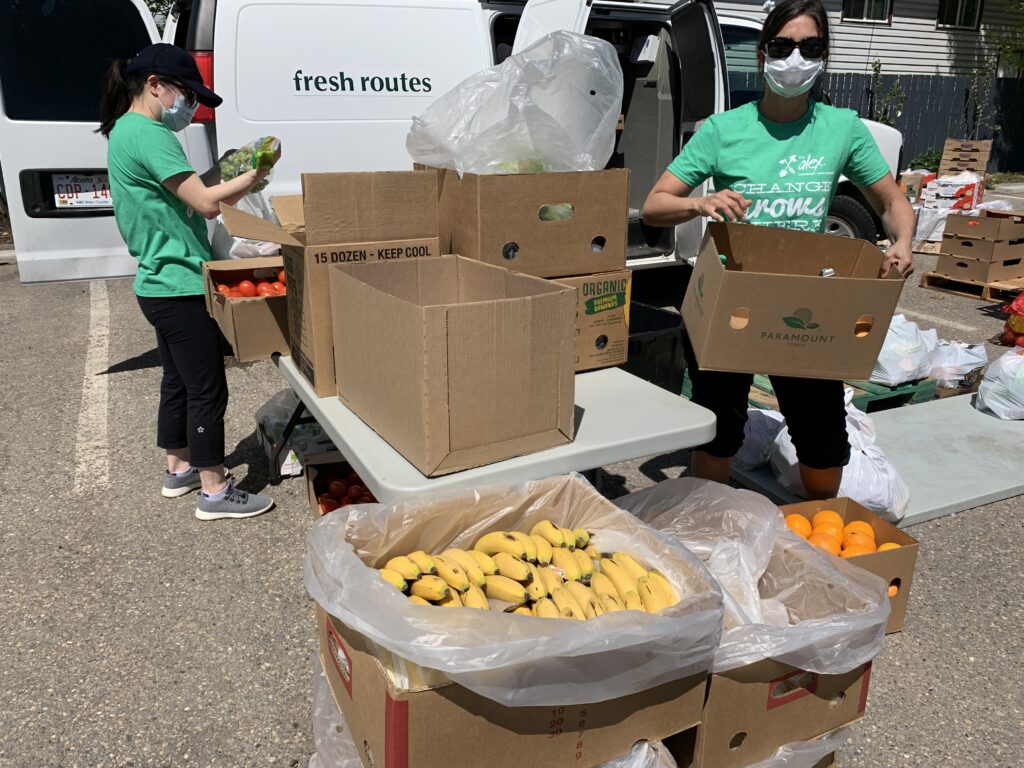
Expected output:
(452, 579)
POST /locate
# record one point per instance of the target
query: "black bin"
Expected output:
(656, 346)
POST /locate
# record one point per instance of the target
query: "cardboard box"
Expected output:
(256, 327)
(987, 225)
(896, 566)
(954, 195)
(320, 470)
(979, 270)
(443, 723)
(911, 185)
(959, 155)
(505, 220)
(752, 711)
(464, 363)
(602, 318)
(339, 218)
(768, 310)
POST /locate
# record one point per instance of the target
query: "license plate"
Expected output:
(81, 190)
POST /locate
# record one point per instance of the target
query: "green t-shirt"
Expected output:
(788, 170)
(167, 237)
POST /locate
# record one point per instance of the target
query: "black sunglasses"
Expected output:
(782, 47)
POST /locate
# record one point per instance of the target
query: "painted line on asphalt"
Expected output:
(914, 314)
(92, 453)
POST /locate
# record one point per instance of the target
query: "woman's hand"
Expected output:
(899, 257)
(731, 204)
(669, 203)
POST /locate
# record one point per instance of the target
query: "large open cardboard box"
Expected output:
(767, 309)
(453, 362)
(896, 566)
(602, 318)
(340, 218)
(440, 723)
(256, 327)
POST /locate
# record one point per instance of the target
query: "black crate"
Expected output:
(656, 346)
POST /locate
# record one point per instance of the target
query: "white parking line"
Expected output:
(914, 314)
(92, 459)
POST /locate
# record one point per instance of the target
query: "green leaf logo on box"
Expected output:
(801, 318)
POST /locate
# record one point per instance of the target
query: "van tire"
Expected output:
(849, 218)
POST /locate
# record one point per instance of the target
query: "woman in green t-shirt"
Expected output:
(161, 206)
(776, 162)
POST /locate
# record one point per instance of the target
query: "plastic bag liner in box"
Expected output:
(784, 599)
(805, 754)
(553, 107)
(1002, 388)
(515, 660)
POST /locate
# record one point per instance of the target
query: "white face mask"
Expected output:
(179, 116)
(793, 76)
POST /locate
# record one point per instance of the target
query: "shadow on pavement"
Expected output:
(150, 359)
(250, 453)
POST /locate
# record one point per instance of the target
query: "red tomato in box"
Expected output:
(338, 489)
(355, 491)
(247, 289)
(327, 504)
(263, 288)
(278, 287)
(280, 276)
(222, 289)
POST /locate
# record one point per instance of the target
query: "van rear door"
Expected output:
(55, 56)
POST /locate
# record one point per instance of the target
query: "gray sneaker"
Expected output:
(235, 503)
(179, 485)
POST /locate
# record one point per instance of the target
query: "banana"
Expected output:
(586, 564)
(567, 605)
(519, 610)
(505, 589)
(548, 530)
(622, 580)
(594, 608)
(582, 538)
(650, 595)
(592, 552)
(535, 588)
(512, 568)
(633, 601)
(486, 562)
(418, 600)
(450, 570)
(423, 561)
(659, 581)
(394, 578)
(468, 564)
(528, 546)
(550, 579)
(406, 567)
(629, 564)
(475, 598)
(564, 561)
(610, 603)
(602, 585)
(582, 593)
(499, 541)
(569, 537)
(452, 601)
(543, 549)
(545, 608)
(432, 588)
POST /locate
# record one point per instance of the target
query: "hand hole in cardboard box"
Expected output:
(837, 700)
(739, 319)
(737, 741)
(510, 251)
(863, 326)
(601, 342)
(598, 243)
(556, 212)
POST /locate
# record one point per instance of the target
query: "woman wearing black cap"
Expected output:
(161, 205)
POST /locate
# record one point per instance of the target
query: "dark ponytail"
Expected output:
(119, 92)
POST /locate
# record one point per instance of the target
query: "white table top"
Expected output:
(622, 418)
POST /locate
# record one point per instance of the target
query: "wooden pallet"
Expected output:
(1001, 291)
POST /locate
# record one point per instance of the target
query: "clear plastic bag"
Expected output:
(334, 745)
(553, 107)
(515, 660)
(644, 754)
(805, 754)
(951, 361)
(260, 154)
(906, 353)
(1002, 389)
(784, 599)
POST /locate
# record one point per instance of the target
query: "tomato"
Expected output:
(355, 491)
(278, 287)
(327, 504)
(352, 478)
(221, 288)
(337, 489)
(247, 289)
(265, 289)
(280, 276)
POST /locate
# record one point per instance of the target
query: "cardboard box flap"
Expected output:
(289, 211)
(241, 224)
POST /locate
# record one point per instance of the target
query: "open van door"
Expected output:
(55, 56)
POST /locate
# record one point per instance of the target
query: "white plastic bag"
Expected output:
(905, 354)
(784, 599)
(806, 754)
(227, 247)
(869, 479)
(1002, 389)
(952, 360)
(334, 745)
(553, 107)
(515, 660)
(644, 754)
(760, 431)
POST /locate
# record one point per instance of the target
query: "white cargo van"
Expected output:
(338, 82)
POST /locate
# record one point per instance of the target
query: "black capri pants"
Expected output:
(194, 389)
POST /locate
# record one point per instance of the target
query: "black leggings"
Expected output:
(194, 389)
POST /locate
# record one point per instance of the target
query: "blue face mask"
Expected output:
(179, 116)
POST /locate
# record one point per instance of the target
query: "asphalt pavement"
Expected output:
(135, 635)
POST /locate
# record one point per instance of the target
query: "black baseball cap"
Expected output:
(173, 62)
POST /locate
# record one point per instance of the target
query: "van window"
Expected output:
(741, 62)
(55, 55)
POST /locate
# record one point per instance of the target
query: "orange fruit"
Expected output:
(860, 527)
(853, 550)
(855, 539)
(829, 528)
(799, 525)
(888, 545)
(827, 516)
(893, 590)
(825, 541)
